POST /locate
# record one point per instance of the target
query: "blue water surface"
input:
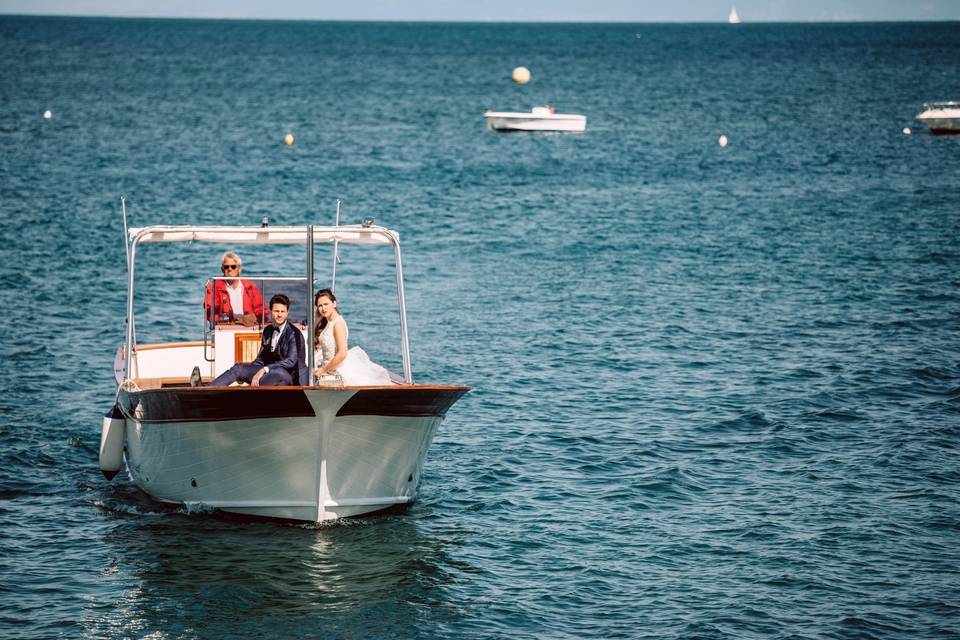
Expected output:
(716, 391)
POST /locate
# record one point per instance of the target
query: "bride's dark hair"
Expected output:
(323, 321)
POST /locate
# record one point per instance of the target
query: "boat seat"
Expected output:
(167, 382)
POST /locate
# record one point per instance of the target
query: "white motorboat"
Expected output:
(733, 18)
(306, 453)
(539, 119)
(941, 117)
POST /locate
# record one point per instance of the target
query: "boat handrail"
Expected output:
(941, 104)
(264, 278)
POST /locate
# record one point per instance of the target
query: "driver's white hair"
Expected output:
(232, 256)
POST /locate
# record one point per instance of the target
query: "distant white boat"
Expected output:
(733, 18)
(538, 119)
(941, 117)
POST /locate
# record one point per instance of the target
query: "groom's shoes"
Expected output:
(195, 380)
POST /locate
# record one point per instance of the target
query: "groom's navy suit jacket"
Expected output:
(289, 354)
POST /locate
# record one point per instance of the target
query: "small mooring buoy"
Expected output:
(47, 114)
(521, 75)
(906, 131)
(288, 138)
(722, 141)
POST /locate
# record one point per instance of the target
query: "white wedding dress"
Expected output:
(356, 370)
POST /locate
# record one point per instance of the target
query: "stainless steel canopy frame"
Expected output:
(294, 235)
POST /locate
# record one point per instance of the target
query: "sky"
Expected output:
(503, 10)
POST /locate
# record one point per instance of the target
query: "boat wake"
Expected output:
(131, 509)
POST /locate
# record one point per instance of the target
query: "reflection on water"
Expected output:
(207, 576)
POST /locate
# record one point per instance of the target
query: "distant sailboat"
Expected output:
(733, 18)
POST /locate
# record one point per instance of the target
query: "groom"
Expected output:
(281, 358)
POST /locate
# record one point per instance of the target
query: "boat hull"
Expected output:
(526, 122)
(941, 121)
(943, 126)
(306, 454)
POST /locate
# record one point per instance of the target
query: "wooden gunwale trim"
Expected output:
(155, 384)
(168, 345)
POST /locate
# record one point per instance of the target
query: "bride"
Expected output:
(330, 348)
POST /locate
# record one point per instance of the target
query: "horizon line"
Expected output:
(457, 21)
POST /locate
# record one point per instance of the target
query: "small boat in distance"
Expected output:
(539, 119)
(941, 117)
(733, 18)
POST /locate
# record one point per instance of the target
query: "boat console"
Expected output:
(230, 339)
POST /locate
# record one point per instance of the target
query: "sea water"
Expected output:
(716, 390)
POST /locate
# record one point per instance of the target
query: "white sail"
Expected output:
(733, 18)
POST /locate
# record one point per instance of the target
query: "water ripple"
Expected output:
(715, 390)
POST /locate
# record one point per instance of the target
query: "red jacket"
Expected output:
(252, 300)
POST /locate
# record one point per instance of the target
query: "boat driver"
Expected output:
(235, 300)
(281, 361)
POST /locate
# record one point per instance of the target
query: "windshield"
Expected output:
(246, 301)
(170, 305)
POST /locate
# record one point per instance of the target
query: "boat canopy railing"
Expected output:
(366, 233)
(942, 104)
(349, 234)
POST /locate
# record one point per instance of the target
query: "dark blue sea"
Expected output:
(716, 391)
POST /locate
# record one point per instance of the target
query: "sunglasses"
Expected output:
(226, 267)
